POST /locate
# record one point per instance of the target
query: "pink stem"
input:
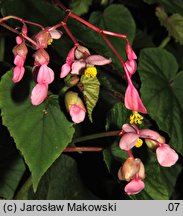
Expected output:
(130, 154)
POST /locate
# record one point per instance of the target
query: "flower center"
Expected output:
(138, 143)
(136, 118)
(90, 72)
(50, 41)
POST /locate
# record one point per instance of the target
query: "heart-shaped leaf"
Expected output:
(41, 133)
(90, 88)
(162, 92)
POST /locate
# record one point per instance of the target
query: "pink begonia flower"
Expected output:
(20, 53)
(77, 113)
(45, 75)
(39, 94)
(134, 186)
(166, 156)
(44, 37)
(74, 66)
(132, 99)
(129, 52)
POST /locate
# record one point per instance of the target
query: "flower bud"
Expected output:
(75, 106)
(129, 169)
(141, 172)
(20, 50)
(42, 38)
(81, 52)
(41, 57)
(154, 145)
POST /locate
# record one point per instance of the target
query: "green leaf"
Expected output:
(80, 6)
(171, 6)
(162, 92)
(116, 18)
(173, 24)
(41, 133)
(62, 182)
(12, 166)
(90, 89)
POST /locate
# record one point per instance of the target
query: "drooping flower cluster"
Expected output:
(132, 98)
(78, 62)
(166, 156)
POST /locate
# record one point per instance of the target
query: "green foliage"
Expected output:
(173, 24)
(62, 181)
(41, 133)
(162, 92)
(80, 6)
(90, 89)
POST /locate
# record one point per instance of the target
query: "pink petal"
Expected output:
(132, 100)
(19, 61)
(39, 94)
(18, 73)
(166, 156)
(65, 70)
(97, 60)
(131, 66)
(134, 186)
(55, 34)
(149, 134)
(130, 53)
(70, 56)
(128, 141)
(77, 66)
(77, 114)
(18, 40)
(45, 75)
(128, 128)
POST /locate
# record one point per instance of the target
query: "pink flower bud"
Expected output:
(19, 40)
(45, 75)
(55, 34)
(81, 52)
(75, 106)
(20, 50)
(42, 38)
(39, 94)
(166, 156)
(129, 169)
(134, 186)
(41, 57)
(130, 53)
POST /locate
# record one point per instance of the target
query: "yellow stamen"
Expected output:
(136, 118)
(139, 143)
(50, 41)
(90, 72)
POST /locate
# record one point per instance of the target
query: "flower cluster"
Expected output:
(166, 156)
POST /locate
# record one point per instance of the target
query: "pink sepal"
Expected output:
(77, 113)
(39, 94)
(134, 186)
(45, 75)
(18, 73)
(128, 141)
(130, 53)
(97, 60)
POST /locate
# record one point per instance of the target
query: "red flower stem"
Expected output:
(21, 20)
(70, 35)
(96, 136)
(83, 149)
(130, 154)
(19, 33)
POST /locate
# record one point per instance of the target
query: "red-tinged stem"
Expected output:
(83, 149)
(19, 33)
(70, 34)
(21, 20)
(130, 154)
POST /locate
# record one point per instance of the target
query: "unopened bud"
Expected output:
(129, 169)
(42, 38)
(41, 57)
(153, 145)
(81, 52)
(72, 98)
(141, 172)
(20, 50)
